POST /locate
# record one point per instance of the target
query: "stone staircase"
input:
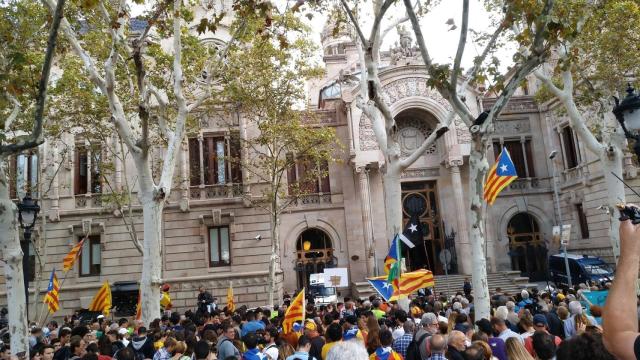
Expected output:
(509, 281)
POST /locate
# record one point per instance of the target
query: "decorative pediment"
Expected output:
(401, 89)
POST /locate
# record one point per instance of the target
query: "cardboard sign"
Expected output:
(336, 277)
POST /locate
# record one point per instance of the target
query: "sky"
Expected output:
(441, 42)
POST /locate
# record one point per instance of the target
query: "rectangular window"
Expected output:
(87, 171)
(23, 176)
(570, 149)
(582, 219)
(313, 177)
(521, 156)
(90, 256)
(219, 246)
(220, 161)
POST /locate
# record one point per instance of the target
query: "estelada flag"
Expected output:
(102, 300)
(51, 298)
(231, 306)
(70, 258)
(410, 282)
(501, 174)
(295, 312)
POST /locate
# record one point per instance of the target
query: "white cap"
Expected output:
(100, 317)
(123, 331)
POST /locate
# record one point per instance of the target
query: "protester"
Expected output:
(302, 351)
(348, 350)
(437, 347)
(516, 351)
(384, 351)
(333, 336)
(456, 345)
(225, 346)
(401, 344)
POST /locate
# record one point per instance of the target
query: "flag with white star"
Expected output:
(412, 233)
(501, 174)
(384, 288)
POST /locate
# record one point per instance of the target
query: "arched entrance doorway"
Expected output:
(314, 253)
(527, 249)
(420, 203)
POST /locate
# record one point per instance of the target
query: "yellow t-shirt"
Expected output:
(326, 347)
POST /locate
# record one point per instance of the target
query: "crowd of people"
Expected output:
(530, 325)
(533, 324)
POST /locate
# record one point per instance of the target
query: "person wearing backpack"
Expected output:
(429, 326)
(142, 345)
(225, 343)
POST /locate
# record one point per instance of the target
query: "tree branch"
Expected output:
(364, 40)
(427, 143)
(36, 137)
(14, 113)
(462, 42)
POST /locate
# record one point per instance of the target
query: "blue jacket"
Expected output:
(251, 326)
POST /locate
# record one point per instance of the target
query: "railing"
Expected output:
(576, 174)
(224, 191)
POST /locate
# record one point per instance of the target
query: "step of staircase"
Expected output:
(509, 281)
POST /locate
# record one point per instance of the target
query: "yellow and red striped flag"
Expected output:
(51, 297)
(501, 174)
(102, 300)
(410, 282)
(231, 305)
(70, 258)
(295, 312)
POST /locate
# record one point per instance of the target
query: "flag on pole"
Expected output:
(70, 258)
(102, 300)
(231, 306)
(51, 297)
(410, 282)
(295, 312)
(393, 256)
(394, 261)
(501, 174)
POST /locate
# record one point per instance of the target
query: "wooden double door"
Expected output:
(420, 201)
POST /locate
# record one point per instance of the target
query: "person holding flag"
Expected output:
(501, 174)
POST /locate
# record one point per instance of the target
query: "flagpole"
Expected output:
(63, 280)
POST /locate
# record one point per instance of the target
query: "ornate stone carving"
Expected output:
(516, 126)
(420, 173)
(400, 89)
(462, 133)
(411, 134)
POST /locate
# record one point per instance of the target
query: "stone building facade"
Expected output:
(213, 235)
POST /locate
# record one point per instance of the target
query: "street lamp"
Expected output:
(28, 211)
(552, 157)
(628, 117)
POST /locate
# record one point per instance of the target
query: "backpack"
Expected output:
(413, 350)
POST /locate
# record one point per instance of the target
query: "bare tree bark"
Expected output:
(10, 242)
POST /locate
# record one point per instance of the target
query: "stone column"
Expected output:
(367, 224)
(463, 247)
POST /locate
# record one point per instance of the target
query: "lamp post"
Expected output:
(552, 157)
(628, 117)
(27, 214)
